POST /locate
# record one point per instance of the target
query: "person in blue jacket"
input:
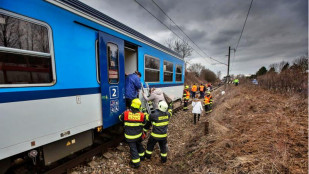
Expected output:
(133, 85)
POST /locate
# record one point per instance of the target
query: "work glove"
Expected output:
(143, 135)
(143, 110)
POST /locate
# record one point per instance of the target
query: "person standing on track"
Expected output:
(133, 85)
(186, 96)
(197, 109)
(202, 90)
(159, 120)
(193, 90)
(134, 121)
(208, 102)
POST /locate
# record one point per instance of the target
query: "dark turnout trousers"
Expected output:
(137, 152)
(208, 108)
(162, 143)
(185, 104)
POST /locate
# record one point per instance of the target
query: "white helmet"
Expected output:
(162, 106)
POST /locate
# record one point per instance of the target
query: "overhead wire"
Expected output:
(175, 32)
(244, 26)
(241, 33)
(185, 33)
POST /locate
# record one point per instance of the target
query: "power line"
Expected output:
(243, 26)
(173, 31)
(184, 32)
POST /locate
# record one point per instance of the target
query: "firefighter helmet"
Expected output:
(136, 103)
(186, 87)
(162, 106)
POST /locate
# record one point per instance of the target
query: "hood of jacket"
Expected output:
(157, 91)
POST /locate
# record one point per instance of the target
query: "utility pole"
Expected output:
(228, 65)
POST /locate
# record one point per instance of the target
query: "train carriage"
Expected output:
(62, 74)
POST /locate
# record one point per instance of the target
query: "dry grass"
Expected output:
(254, 131)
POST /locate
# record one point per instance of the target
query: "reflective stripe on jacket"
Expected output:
(186, 94)
(159, 120)
(208, 100)
(133, 125)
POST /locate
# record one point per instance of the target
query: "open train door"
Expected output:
(112, 78)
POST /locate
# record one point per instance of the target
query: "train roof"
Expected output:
(101, 16)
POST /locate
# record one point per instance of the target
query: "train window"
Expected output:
(113, 66)
(25, 58)
(97, 60)
(168, 71)
(152, 69)
(178, 73)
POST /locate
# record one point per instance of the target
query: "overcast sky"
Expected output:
(276, 30)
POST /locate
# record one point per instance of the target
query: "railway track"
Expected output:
(96, 149)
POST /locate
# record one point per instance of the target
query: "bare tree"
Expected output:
(283, 65)
(273, 67)
(180, 46)
(8, 31)
(196, 68)
(208, 75)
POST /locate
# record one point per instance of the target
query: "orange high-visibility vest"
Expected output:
(207, 100)
(188, 94)
(194, 88)
(202, 88)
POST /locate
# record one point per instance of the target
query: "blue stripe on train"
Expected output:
(44, 94)
(165, 85)
(8, 97)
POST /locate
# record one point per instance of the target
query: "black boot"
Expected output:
(148, 156)
(134, 165)
(163, 159)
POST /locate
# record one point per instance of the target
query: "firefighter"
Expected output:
(208, 102)
(202, 90)
(134, 121)
(159, 120)
(186, 96)
(193, 90)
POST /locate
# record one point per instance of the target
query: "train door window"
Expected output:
(97, 60)
(178, 73)
(25, 52)
(113, 63)
(168, 71)
(152, 69)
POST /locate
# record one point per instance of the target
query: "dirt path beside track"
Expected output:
(251, 131)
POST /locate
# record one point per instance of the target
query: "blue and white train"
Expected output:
(62, 75)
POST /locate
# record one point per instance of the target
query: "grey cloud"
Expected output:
(275, 30)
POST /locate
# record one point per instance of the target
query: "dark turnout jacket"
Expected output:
(159, 120)
(134, 122)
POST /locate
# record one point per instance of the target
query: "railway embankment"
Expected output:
(251, 130)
